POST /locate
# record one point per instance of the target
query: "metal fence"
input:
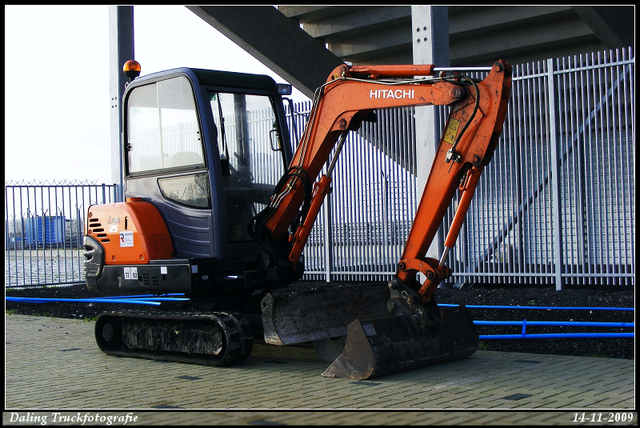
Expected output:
(555, 206)
(44, 229)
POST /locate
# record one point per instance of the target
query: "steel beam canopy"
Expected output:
(275, 40)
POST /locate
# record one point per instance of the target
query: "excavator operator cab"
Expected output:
(206, 148)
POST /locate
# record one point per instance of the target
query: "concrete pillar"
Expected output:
(430, 33)
(121, 49)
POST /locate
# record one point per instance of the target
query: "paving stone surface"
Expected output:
(53, 367)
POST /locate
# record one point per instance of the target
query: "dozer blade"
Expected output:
(305, 314)
(394, 344)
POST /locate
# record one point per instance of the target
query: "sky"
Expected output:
(57, 100)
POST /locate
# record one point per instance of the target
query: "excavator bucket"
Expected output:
(394, 344)
(352, 325)
(307, 314)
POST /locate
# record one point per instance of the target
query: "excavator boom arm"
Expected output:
(347, 98)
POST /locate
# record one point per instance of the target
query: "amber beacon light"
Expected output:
(131, 69)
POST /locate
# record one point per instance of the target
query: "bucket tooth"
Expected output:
(395, 344)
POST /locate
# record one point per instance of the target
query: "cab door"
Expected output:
(166, 162)
(252, 155)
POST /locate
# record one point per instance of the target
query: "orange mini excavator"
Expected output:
(219, 207)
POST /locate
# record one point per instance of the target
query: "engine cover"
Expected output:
(131, 232)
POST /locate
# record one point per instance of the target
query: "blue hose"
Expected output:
(48, 300)
(139, 300)
(542, 307)
(560, 323)
(553, 335)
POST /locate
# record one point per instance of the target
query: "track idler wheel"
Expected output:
(395, 344)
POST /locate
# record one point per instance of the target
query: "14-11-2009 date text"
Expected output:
(603, 417)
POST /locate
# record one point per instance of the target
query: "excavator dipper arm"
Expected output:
(461, 156)
(472, 130)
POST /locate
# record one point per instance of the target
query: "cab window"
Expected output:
(162, 127)
(191, 190)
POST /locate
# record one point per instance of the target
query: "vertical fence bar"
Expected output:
(599, 172)
(629, 123)
(327, 238)
(555, 173)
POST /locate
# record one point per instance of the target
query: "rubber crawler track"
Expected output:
(215, 338)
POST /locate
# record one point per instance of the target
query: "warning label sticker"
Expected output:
(131, 273)
(126, 239)
(451, 131)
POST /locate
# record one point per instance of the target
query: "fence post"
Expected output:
(555, 173)
(328, 238)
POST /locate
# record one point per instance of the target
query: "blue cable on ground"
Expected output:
(542, 307)
(140, 300)
(560, 323)
(553, 336)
